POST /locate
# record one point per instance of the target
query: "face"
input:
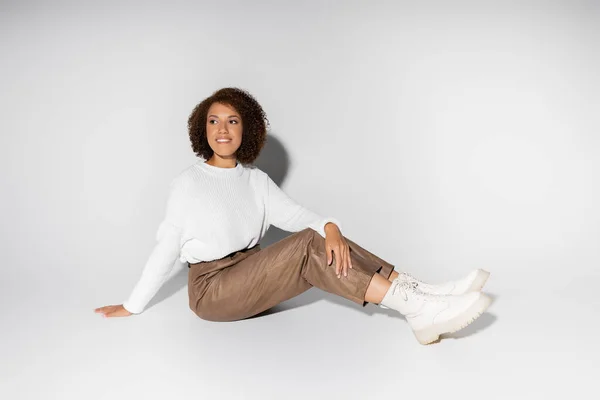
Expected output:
(223, 130)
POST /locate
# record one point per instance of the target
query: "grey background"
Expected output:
(445, 136)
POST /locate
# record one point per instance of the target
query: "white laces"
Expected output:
(425, 287)
(409, 276)
(405, 288)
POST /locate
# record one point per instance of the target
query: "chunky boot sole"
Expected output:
(432, 333)
(479, 281)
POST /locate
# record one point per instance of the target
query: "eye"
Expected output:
(210, 121)
(234, 121)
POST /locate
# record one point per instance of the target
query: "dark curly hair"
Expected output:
(254, 123)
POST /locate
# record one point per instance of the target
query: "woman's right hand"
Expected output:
(113, 311)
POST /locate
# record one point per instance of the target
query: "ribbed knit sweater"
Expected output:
(212, 212)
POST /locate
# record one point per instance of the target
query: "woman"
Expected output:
(219, 209)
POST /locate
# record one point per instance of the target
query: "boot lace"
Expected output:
(408, 276)
(408, 288)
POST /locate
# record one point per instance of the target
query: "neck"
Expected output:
(220, 162)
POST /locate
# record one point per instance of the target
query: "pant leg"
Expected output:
(263, 278)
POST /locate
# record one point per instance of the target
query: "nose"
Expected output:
(222, 127)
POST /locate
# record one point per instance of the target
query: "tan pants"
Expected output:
(250, 281)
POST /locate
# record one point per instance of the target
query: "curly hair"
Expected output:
(254, 123)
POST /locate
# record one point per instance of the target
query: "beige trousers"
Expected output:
(250, 281)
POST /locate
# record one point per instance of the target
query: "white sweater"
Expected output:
(212, 212)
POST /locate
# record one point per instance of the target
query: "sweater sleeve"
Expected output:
(156, 271)
(162, 258)
(284, 213)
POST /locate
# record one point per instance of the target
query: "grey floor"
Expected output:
(537, 339)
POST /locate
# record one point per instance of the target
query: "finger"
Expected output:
(338, 262)
(343, 266)
(113, 314)
(346, 261)
(329, 258)
(349, 258)
(104, 309)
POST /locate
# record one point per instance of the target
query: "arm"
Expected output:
(165, 253)
(161, 260)
(157, 269)
(286, 214)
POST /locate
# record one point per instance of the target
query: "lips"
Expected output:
(222, 140)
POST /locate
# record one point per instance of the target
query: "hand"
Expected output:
(113, 311)
(335, 242)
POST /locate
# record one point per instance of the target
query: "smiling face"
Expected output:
(224, 134)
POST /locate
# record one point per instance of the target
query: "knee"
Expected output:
(312, 240)
(308, 232)
(309, 235)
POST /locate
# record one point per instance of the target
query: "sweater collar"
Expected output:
(218, 171)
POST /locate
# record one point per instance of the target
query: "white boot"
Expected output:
(473, 282)
(430, 315)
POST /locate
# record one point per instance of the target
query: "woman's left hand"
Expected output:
(336, 243)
